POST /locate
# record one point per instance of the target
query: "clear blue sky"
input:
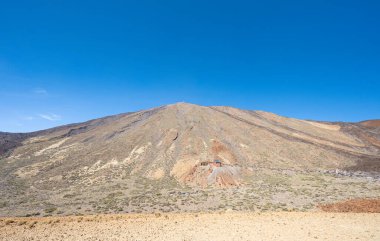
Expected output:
(65, 61)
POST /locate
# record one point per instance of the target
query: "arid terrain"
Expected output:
(163, 160)
(203, 226)
(188, 172)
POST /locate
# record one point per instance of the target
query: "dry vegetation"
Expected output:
(264, 190)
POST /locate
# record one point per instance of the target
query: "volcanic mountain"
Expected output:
(178, 143)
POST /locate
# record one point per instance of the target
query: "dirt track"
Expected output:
(225, 226)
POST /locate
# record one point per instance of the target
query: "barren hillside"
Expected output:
(164, 159)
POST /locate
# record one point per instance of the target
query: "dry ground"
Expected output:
(204, 226)
(354, 206)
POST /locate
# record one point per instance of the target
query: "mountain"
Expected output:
(172, 147)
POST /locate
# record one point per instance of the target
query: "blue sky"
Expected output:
(70, 61)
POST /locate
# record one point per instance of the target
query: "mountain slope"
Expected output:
(176, 145)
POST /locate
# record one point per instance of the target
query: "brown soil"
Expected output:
(354, 206)
(218, 147)
(202, 226)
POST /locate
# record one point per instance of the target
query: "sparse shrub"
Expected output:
(21, 223)
(50, 210)
(33, 224)
(32, 214)
(70, 195)
(9, 221)
(3, 204)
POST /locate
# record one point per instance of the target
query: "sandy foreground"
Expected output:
(204, 226)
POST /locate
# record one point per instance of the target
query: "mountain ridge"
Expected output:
(366, 122)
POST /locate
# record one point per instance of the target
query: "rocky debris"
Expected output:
(358, 174)
(225, 176)
(213, 174)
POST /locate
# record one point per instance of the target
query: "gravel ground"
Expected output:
(202, 226)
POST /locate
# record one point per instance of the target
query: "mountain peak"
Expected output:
(183, 104)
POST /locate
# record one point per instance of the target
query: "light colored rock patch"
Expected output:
(15, 156)
(142, 149)
(27, 172)
(36, 139)
(156, 174)
(136, 153)
(159, 144)
(128, 160)
(243, 145)
(324, 126)
(63, 151)
(112, 163)
(204, 144)
(99, 166)
(53, 146)
(94, 168)
(172, 148)
(56, 178)
(34, 169)
(182, 168)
